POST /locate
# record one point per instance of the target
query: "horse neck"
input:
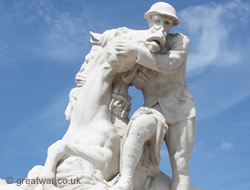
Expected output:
(95, 95)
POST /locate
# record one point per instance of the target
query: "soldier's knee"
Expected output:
(144, 125)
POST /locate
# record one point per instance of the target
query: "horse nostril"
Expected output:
(158, 42)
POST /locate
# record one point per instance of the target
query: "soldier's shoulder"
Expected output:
(177, 39)
(177, 36)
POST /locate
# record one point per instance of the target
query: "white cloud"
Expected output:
(225, 145)
(66, 36)
(210, 28)
(218, 41)
(60, 34)
(220, 103)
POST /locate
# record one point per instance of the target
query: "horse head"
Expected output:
(153, 39)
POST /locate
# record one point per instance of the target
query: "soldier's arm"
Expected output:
(176, 56)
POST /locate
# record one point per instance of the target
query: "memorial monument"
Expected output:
(105, 150)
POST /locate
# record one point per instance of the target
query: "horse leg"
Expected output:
(101, 158)
(55, 153)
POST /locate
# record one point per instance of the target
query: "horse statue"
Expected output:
(92, 137)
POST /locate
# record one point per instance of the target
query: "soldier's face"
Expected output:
(161, 20)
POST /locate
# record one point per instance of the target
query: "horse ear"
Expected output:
(95, 38)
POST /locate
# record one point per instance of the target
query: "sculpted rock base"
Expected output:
(75, 168)
(159, 182)
(92, 179)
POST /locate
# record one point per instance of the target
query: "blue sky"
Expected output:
(43, 44)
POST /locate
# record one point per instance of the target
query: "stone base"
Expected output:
(74, 170)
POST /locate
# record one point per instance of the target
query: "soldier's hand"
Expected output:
(126, 48)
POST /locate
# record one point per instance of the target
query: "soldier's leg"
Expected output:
(141, 130)
(180, 142)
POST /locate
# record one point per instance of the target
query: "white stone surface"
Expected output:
(168, 113)
(102, 147)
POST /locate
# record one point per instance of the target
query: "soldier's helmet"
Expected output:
(163, 9)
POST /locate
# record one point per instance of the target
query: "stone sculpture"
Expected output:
(168, 112)
(102, 147)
